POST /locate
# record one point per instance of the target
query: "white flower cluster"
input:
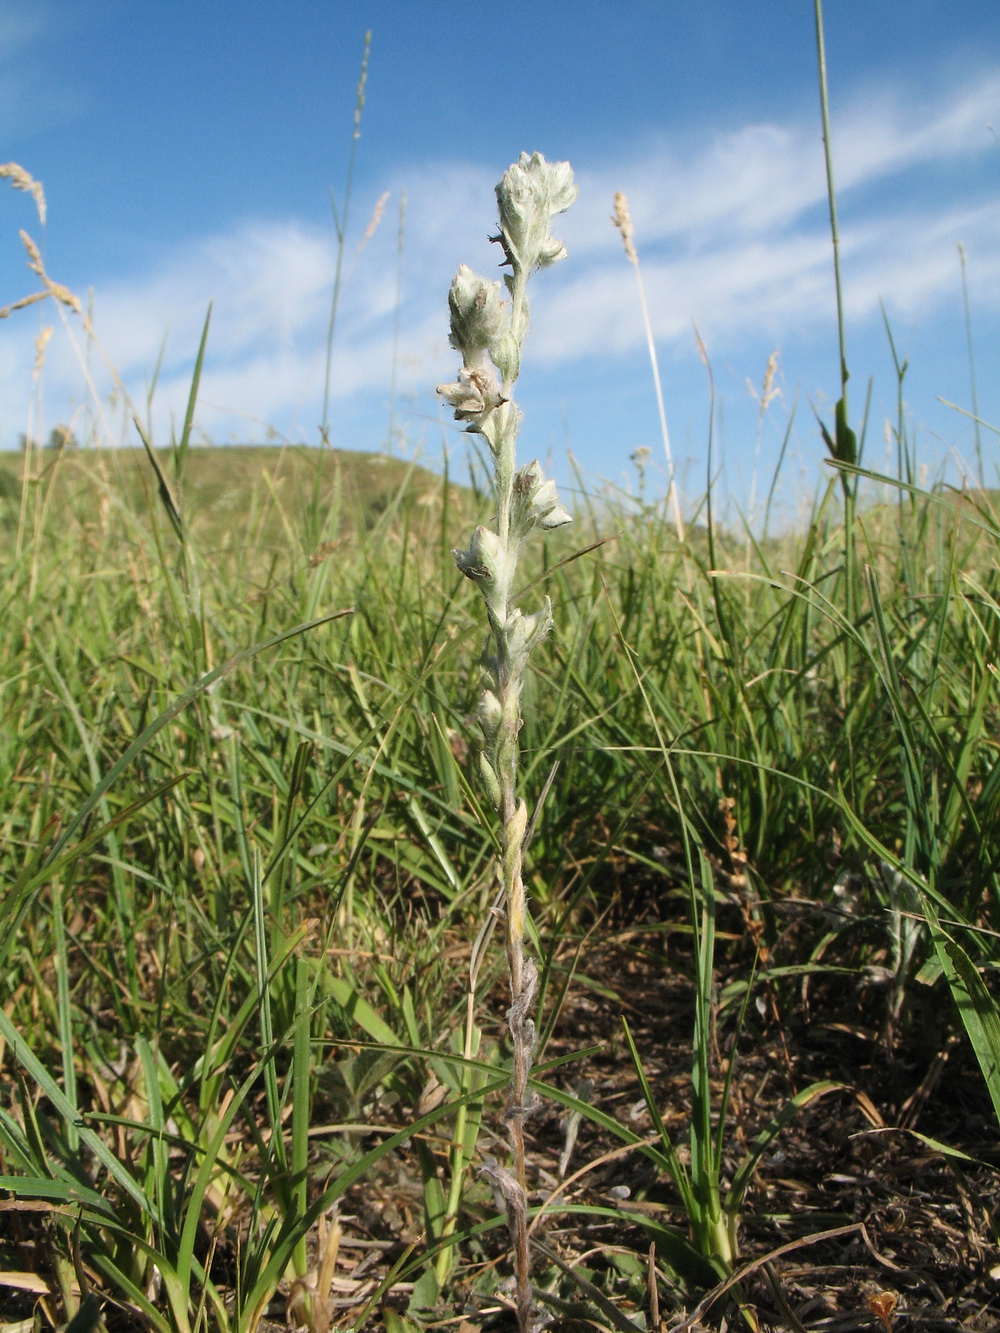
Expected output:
(488, 332)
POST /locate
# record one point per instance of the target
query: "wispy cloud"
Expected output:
(766, 177)
(734, 234)
(32, 96)
(731, 230)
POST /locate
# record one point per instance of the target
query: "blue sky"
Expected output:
(187, 154)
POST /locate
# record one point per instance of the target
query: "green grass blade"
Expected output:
(33, 1067)
(181, 448)
(36, 876)
(977, 1007)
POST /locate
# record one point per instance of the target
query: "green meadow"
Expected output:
(357, 974)
(247, 871)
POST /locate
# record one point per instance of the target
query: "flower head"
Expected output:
(473, 395)
(478, 315)
(531, 193)
(536, 504)
(487, 561)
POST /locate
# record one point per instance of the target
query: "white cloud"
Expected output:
(760, 177)
(886, 133)
(740, 284)
(735, 235)
(266, 283)
(732, 234)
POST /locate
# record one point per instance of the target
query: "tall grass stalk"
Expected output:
(970, 352)
(843, 442)
(490, 333)
(623, 221)
(391, 431)
(768, 392)
(340, 216)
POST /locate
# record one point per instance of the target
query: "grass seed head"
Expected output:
(623, 221)
(22, 180)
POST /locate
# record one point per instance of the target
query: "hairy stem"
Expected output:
(489, 333)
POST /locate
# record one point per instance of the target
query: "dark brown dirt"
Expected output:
(854, 1219)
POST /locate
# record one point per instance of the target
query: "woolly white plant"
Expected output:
(489, 333)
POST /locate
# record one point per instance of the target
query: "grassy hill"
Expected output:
(249, 499)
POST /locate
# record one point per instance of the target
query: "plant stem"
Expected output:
(340, 224)
(530, 194)
(843, 443)
(623, 220)
(980, 475)
(824, 107)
